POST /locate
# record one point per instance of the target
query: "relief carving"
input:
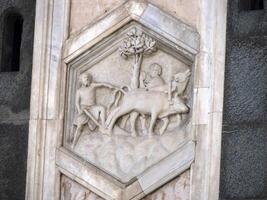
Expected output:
(88, 113)
(147, 97)
(131, 107)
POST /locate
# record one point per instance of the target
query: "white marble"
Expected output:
(103, 160)
(167, 169)
(126, 157)
(177, 189)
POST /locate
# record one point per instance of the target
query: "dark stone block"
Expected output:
(245, 96)
(15, 86)
(245, 23)
(245, 199)
(244, 162)
(244, 145)
(13, 161)
(15, 98)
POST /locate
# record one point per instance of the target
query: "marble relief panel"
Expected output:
(129, 109)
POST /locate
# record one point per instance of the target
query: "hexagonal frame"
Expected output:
(176, 38)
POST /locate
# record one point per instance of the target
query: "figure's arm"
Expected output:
(77, 102)
(143, 81)
(173, 86)
(104, 85)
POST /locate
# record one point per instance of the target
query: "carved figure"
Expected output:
(152, 82)
(155, 78)
(151, 103)
(179, 83)
(88, 112)
(155, 99)
(136, 44)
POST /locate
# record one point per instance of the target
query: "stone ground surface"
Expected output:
(124, 156)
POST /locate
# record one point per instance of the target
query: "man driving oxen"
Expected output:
(156, 100)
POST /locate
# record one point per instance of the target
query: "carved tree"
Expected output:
(137, 44)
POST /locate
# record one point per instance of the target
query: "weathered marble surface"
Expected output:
(126, 157)
(81, 17)
(177, 189)
(71, 190)
(84, 12)
(180, 9)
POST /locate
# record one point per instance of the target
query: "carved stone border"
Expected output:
(47, 113)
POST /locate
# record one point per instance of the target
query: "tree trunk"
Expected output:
(136, 71)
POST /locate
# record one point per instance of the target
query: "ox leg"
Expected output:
(124, 121)
(165, 124)
(152, 124)
(133, 117)
(179, 119)
(143, 124)
(120, 113)
(111, 116)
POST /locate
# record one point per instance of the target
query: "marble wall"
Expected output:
(80, 17)
(72, 60)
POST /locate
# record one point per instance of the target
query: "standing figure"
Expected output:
(88, 112)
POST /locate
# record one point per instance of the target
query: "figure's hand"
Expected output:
(143, 75)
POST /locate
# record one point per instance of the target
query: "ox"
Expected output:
(153, 103)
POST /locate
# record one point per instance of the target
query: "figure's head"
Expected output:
(85, 79)
(155, 70)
